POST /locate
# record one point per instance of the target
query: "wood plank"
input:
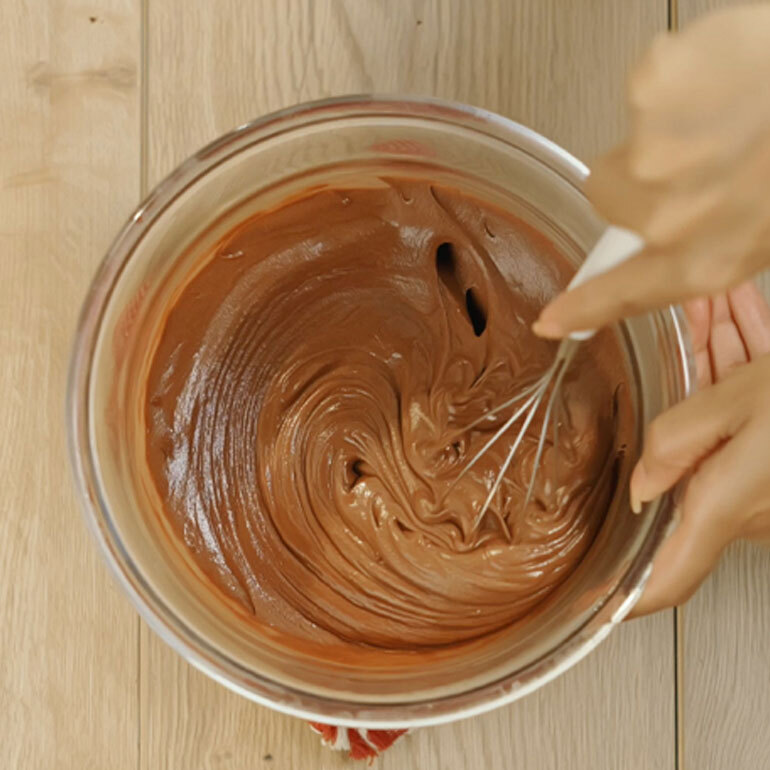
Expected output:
(69, 161)
(546, 63)
(688, 10)
(551, 65)
(726, 665)
(725, 629)
(613, 710)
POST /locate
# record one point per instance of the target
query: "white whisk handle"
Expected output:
(615, 245)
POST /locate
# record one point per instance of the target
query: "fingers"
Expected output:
(642, 283)
(751, 313)
(680, 438)
(727, 330)
(698, 312)
(726, 345)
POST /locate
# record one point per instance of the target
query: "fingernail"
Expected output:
(636, 503)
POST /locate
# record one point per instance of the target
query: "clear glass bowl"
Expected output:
(337, 142)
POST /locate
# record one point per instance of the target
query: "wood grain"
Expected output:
(555, 66)
(726, 633)
(558, 67)
(613, 710)
(69, 160)
(726, 666)
(689, 10)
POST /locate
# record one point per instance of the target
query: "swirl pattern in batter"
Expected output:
(307, 407)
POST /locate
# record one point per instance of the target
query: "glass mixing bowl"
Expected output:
(343, 141)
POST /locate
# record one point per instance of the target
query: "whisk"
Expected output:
(614, 246)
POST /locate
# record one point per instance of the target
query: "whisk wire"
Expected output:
(519, 438)
(544, 430)
(499, 408)
(554, 374)
(614, 246)
(505, 426)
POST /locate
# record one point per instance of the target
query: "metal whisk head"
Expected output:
(531, 398)
(614, 246)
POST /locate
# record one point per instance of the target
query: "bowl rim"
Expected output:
(151, 606)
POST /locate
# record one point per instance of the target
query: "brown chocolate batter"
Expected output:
(306, 409)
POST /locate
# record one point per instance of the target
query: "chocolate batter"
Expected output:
(306, 413)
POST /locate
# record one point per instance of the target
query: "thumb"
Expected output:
(682, 564)
(707, 526)
(712, 513)
(680, 438)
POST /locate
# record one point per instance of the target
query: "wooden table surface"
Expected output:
(98, 101)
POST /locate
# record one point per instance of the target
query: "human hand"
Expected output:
(691, 178)
(722, 435)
